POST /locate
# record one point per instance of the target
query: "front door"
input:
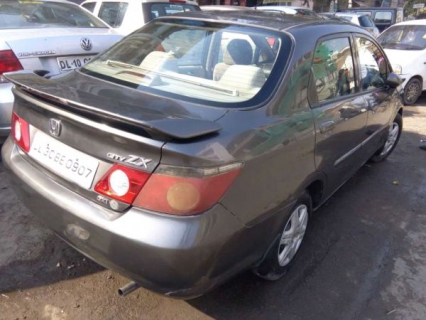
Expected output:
(339, 110)
(373, 70)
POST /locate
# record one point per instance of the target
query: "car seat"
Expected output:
(237, 52)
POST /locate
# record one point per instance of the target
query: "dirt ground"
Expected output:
(364, 258)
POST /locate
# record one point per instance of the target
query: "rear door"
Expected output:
(339, 110)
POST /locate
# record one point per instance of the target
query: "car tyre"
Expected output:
(412, 91)
(282, 253)
(392, 139)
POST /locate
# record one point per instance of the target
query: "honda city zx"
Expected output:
(199, 146)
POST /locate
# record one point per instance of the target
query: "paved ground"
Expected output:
(364, 258)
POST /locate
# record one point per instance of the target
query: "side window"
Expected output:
(113, 13)
(383, 17)
(89, 6)
(333, 69)
(373, 67)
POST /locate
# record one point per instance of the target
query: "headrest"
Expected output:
(238, 51)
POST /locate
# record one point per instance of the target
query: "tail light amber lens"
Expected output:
(182, 193)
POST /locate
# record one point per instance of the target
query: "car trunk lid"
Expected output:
(57, 50)
(133, 111)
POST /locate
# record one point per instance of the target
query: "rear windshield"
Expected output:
(166, 8)
(37, 14)
(365, 21)
(113, 13)
(404, 37)
(204, 62)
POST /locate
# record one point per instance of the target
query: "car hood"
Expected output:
(404, 57)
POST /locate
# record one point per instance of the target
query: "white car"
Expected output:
(126, 16)
(49, 36)
(405, 46)
(360, 19)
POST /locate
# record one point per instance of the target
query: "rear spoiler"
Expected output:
(172, 127)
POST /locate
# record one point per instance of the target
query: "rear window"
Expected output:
(365, 21)
(113, 13)
(37, 14)
(165, 8)
(202, 62)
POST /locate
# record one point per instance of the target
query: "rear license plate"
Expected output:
(72, 62)
(65, 161)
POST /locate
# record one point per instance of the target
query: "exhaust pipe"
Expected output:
(128, 288)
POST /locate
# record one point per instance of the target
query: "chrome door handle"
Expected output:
(326, 126)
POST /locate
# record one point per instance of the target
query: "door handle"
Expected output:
(326, 126)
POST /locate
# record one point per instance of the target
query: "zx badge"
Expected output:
(135, 160)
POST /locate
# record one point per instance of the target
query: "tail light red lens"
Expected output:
(21, 132)
(8, 62)
(181, 191)
(122, 183)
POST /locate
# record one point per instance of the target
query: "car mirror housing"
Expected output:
(393, 80)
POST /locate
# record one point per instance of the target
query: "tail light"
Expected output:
(8, 62)
(172, 190)
(186, 191)
(122, 183)
(21, 132)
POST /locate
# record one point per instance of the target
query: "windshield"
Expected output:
(42, 14)
(405, 37)
(193, 60)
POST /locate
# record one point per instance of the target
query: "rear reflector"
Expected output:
(122, 183)
(8, 62)
(186, 191)
(21, 132)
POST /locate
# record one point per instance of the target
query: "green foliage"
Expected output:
(409, 7)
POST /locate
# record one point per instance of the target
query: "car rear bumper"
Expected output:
(6, 105)
(175, 256)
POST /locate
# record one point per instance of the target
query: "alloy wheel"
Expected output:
(392, 137)
(292, 235)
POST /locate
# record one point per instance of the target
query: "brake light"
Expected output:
(186, 191)
(177, 1)
(8, 62)
(21, 132)
(122, 183)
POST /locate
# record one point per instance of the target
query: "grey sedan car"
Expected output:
(199, 146)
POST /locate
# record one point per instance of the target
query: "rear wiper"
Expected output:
(114, 63)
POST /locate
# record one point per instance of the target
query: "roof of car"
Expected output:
(420, 22)
(372, 8)
(352, 14)
(256, 18)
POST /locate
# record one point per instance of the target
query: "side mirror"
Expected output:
(393, 80)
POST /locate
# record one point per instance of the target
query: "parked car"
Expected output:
(383, 17)
(223, 8)
(129, 15)
(360, 19)
(197, 148)
(49, 36)
(300, 11)
(405, 45)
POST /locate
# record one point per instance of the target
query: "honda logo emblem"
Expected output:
(55, 127)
